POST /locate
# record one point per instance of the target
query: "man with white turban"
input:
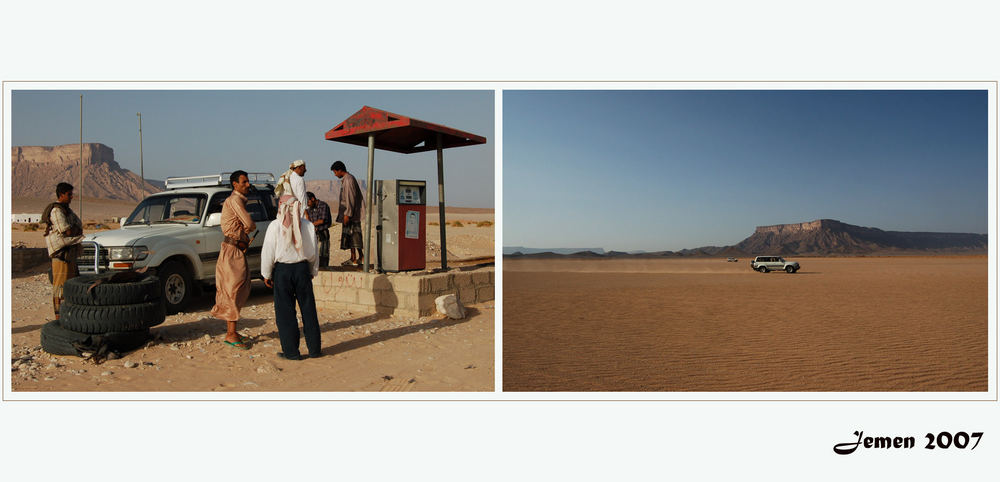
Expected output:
(291, 193)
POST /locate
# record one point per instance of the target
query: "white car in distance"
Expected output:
(764, 264)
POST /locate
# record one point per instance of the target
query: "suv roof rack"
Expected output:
(221, 179)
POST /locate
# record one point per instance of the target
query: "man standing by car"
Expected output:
(63, 238)
(290, 270)
(232, 275)
(349, 212)
(319, 213)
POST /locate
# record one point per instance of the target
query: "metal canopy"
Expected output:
(398, 133)
(378, 129)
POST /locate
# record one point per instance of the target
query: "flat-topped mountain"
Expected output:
(829, 236)
(35, 171)
(822, 237)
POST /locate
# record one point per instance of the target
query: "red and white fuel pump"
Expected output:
(402, 228)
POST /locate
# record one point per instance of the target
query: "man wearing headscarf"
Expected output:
(290, 270)
(293, 182)
(232, 275)
(291, 193)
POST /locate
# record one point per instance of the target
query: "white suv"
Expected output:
(773, 263)
(177, 233)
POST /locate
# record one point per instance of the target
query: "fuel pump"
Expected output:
(401, 233)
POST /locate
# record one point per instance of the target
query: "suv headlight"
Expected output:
(127, 253)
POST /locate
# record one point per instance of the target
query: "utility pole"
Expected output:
(142, 174)
(81, 158)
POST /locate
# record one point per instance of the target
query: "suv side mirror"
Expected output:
(214, 219)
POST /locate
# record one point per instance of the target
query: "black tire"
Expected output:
(177, 286)
(109, 319)
(58, 340)
(77, 291)
(763, 269)
(789, 269)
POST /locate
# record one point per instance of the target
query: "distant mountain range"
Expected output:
(822, 237)
(521, 249)
(35, 171)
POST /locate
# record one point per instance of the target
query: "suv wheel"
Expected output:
(178, 287)
(789, 269)
(763, 269)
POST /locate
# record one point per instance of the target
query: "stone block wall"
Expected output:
(400, 294)
(24, 258)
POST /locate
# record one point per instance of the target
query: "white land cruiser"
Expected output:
(176, 233)
(773, 263)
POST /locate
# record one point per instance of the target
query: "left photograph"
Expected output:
(251, 240)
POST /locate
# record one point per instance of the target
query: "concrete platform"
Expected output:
(401, 294)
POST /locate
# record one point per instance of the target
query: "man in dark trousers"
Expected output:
(319, 214)
(63, 235)
(290, 272)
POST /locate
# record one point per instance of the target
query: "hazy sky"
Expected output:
(656, 170)
(188, 132)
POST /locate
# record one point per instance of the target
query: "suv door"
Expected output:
(211, 237)
(259, 205)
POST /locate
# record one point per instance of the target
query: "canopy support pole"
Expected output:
(368, 203)
(444, 243)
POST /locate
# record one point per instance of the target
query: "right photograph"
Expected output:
(746, 240)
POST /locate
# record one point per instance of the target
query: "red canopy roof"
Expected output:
(398, 133)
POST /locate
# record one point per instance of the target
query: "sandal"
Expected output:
(238, 344)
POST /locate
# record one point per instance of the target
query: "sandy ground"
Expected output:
(839, 324)
(362, 352)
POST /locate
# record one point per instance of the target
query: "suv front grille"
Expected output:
(86, 260)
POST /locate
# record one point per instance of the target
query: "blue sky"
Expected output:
(191, 132)
(658, 170)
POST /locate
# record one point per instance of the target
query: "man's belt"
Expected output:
(240, 244)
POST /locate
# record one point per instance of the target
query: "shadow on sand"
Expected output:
(395, 333)
(27, 328)
(196, 329)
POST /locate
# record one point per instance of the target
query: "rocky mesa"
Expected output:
(829, 236)
(35, 170)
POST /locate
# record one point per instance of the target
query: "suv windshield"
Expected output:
(177, 208)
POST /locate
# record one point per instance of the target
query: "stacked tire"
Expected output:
(107, 316)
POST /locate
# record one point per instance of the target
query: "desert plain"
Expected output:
(866, 324)
(361, 351)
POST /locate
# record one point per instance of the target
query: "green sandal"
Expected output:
(238, 344)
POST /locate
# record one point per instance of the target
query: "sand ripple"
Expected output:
(859, 324)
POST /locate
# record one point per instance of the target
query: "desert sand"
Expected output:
(839, 324)
(362, 351)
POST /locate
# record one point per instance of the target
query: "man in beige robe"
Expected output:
(232, 274)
